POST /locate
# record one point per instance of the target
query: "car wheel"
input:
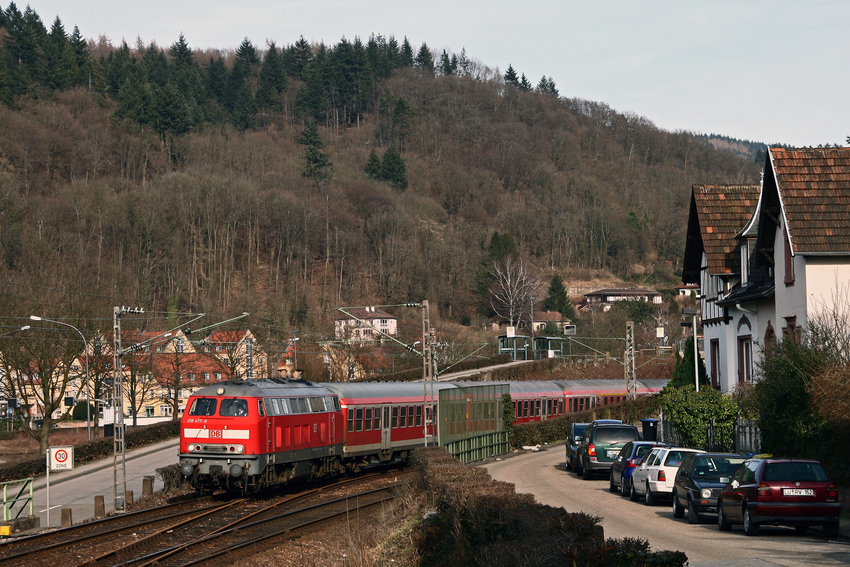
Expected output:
(624, 487)
(750, 527)
(633, 496)
(649, 497)
(586, 474)
(693, 517)
(678, 511)
(722, 523)
(830, 529)
(611, 486)
(802, 529)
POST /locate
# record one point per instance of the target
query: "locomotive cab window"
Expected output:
(234, 408)
(260, 409)
(203, 406)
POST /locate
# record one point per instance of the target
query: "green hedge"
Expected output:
(96, 449)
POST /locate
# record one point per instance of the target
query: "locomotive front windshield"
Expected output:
(234, 407)
(203, 406)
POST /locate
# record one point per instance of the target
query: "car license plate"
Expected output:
(613, 454)
(798, 492)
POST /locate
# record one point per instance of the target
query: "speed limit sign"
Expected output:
(61, 458)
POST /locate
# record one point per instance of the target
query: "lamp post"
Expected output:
(294, 343)
(88, 383)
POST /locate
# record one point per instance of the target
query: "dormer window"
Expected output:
(745, 263)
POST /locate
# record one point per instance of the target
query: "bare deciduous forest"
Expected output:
(287, 181)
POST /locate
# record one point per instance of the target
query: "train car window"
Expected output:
(402, 418)
(302, 405)
(418, 416)
(330, 405)
(359, 419)
(274, 409)
(316, 405)
(233, 408)
(203, 406)
(367, 420)
(517, 409)
(525, 408)
(283, 403)
(261, 408)
(410, 416)
(537, 404)
(395, 417)
(350, 420)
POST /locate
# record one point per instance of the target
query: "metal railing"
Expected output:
(9, 504)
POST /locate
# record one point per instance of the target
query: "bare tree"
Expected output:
(513, 286)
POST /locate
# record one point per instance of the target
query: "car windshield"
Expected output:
(794, 471)
(712, 468)
(615, 435)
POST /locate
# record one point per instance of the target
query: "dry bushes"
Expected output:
(482, 522)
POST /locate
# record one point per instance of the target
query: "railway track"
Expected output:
(171, 534)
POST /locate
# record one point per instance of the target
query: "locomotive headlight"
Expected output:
(706, 493)
(187, 469)
(238, 449)
(235, 471)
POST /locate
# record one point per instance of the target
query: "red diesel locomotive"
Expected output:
(248, 434)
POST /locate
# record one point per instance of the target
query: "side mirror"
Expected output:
(735, 484)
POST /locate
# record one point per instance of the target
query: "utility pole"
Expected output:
(630, 365)
(429, 336)
(119, 449)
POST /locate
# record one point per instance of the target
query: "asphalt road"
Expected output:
(76, 489)
(544, 475)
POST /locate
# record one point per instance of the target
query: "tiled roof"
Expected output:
(814, 185)
(722, 211)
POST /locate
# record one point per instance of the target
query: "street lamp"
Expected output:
(88, 383)
(24, 328)
(696, 347)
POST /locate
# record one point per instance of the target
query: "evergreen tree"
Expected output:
(524, 84)
(502, 246)
(424, 59)
(181, 55)
(547, 87)
(557, 298)
(406, 55)
(448, 65)
(464, 64)
(318, 166)
(272, 80)
(373, 165)
(393, 169)
(309, 136)
(683, 373)
(511, 77)
(302, 55)
(57, 69)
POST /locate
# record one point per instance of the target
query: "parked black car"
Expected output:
(626, 462)
(601, 444)
(699, 481)
(576, 435)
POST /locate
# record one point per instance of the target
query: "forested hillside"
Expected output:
(289, 180)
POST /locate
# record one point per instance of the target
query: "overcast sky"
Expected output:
(773, 71)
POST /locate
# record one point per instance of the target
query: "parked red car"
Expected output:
(788, 492)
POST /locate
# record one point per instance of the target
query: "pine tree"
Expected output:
(406, 54)
(511, 77)
(181, 54)
(318, 166)
(424, 59)
(272, 80)
(309, 136)
(524, 84)
(557, 298)
(373, 165)
(393, 169)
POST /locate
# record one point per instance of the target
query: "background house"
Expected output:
(364, 323)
